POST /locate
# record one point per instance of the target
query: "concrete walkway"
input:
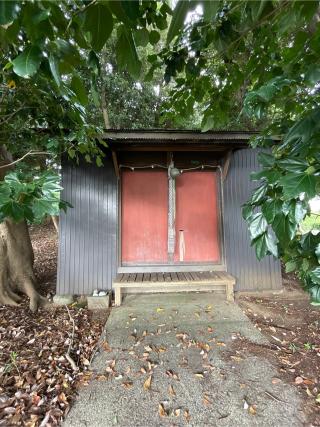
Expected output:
(181, 341)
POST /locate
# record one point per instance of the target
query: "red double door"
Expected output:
(144, 218)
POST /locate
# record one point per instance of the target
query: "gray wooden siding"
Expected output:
(88, 232)
(251, 274)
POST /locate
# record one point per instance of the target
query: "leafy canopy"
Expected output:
(243, 61)
(50, 72)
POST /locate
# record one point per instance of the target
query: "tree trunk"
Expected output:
(16, 265)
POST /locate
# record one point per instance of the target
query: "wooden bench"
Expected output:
(174, 282)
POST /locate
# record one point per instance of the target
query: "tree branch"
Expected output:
(29, 153)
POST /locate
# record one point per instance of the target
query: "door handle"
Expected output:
(182, 246)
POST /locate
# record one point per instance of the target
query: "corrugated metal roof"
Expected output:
(173, 135)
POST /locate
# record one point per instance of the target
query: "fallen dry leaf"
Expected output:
(162, 411)
(252, 409)
(127, 384)
(187, 415)
(106, 346)
(199, 375)
(147, 383)
(172, 374)
(298, 380)
(171, 390)
(205, 400)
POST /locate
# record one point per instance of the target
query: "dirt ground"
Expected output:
(291, 325)
(37, 381)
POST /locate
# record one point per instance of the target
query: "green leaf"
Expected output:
(79, 89)
(257, 225)
(296, 183)
(28, 62)
(266, 159)
(247, 212)
(154, 37)
(8, 11)
(317, 252)
(270, 208)
(291, 266)
(13, 210)
(178, 18)
(54, 68)
(284, 228)
(93, 62)
(259, 194)
(99, 22)
(293, 165)
(299, 212)
(208, 123)
(142, 36)
(313, 74)
(315, 275)
(265, 244)
(127, 56)
(210, 9)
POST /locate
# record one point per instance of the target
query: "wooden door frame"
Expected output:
(167, 268)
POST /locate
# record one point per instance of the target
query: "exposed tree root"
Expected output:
(16, 265)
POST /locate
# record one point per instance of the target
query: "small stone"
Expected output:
(102, 294)
(63, 299)
(100, 303)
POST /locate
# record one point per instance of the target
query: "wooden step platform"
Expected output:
(174, 282)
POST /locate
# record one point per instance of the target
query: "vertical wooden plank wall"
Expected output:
(87, 258)
(251, 274)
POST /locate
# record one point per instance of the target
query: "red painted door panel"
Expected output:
(144, 217)
(197, 232)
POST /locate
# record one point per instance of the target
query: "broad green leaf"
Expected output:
(28, 62)
(293, 165)
(54, 68)
(178, 18)
(126, 52)
(266, 159)
(260, 246)
(93, 62)
(265, 244)
(296, 183)
(154, 37)
(317, 252)
(142, 36)
(257, 225)
(259, 194)
(315, 275)
(247, 212)
(303, 129)
(300, 212)
(270, 208)
(210, 9)
(284, 229)
(79, 89)
(99, 22)
(13, 210)
(313, 74)
(208, 123)
(8, 11)
(314, 291)
(5, 193)
(291, 266)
